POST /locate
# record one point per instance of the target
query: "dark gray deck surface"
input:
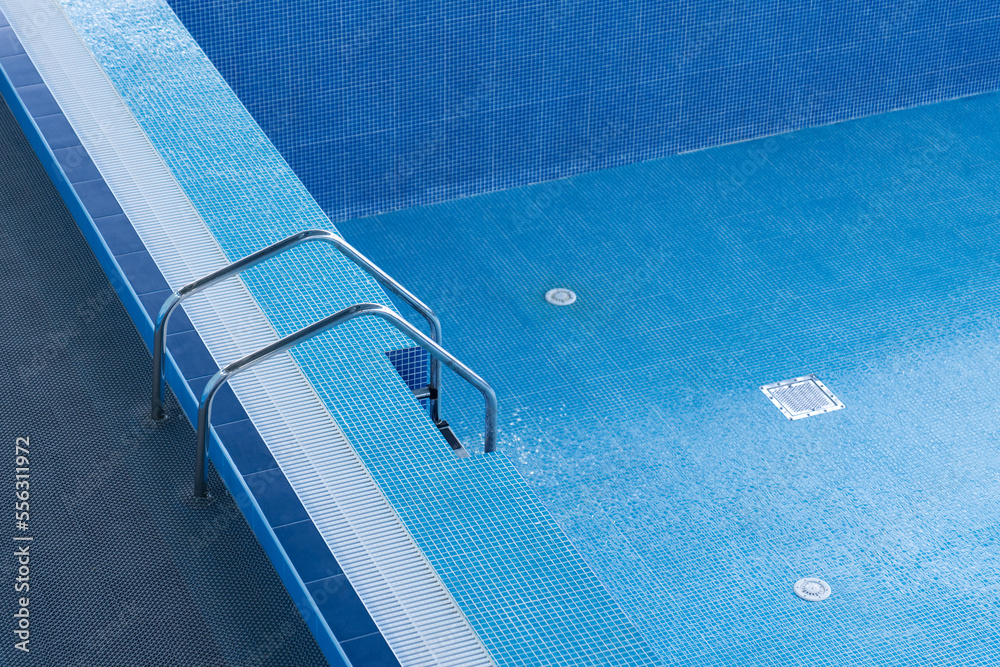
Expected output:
(125, 568)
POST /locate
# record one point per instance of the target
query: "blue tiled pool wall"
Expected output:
(251, 473)
(497, 550)
(383, 104)
(412, 365)
(865, 252)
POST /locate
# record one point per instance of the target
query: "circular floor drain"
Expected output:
(560, 296)
(813, 590)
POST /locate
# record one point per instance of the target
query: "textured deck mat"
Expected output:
(125, 569)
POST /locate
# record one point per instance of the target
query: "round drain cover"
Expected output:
(813, 590)
(560, 296)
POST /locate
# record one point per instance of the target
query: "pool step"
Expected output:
(452, 439)
(412, 365)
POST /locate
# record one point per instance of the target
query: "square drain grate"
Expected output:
(802, 397)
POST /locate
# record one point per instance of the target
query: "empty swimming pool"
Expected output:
(864, 253)
(731, 271)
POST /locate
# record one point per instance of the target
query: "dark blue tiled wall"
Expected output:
(379, 104)
(412, 365)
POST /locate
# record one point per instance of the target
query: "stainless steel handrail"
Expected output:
(302, 335)
(433, 393)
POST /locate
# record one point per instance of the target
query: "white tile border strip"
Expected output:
(408, 602)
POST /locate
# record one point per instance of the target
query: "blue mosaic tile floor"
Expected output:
(864, 252)
(521, 584)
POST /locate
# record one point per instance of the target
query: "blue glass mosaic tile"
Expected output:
(276, 498)
(382, 105)
(78, 166)
(57, 131)
(412, 365)
(153, 301)
(20, 70)
(308, 551)
(226, 408)
(370, 651)
(97, 198)
(244, 444)
(122, 239)
(38, 100)
(9, 44)
(865, 252)
(342, 608)
(141, 272)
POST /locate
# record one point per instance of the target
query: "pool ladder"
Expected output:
(432, 344)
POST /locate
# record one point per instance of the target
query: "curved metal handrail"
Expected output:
(319, 235)
(302, 335)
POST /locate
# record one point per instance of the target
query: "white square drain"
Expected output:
(802, 397)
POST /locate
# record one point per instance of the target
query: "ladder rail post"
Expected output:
(175, 299)
(252, 260)
(433, 323)
(358, 310)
